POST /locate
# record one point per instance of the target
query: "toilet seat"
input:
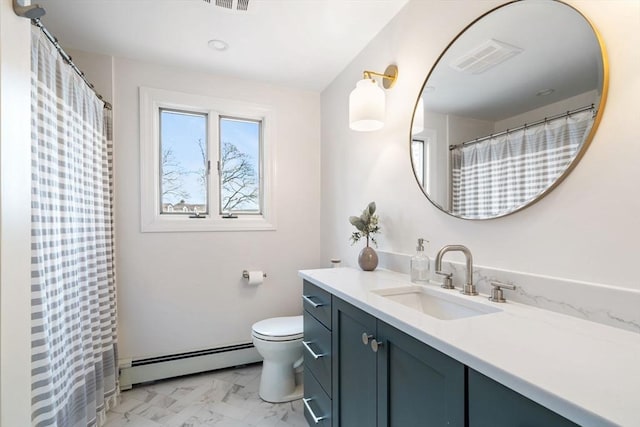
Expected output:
(278, 329)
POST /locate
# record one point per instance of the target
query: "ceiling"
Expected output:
(296, 43)
(559, 54)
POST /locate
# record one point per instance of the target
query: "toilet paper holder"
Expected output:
(245, 274)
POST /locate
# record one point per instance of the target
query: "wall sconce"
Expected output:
(417, 125)
(367, 100)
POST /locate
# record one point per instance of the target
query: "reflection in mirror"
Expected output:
(418, 159)
(509, 109)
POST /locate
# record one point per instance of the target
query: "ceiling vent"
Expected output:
(233, 5)
(485, 56)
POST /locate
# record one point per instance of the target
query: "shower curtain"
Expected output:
(73, 300)
(492, 177)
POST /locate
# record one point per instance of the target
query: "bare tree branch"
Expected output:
(239, 187)
(238, 184)
(172, 174)
(203, 171)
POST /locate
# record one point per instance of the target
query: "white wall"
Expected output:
(463, 129)
(586, 229)
(184, 291)
(15, 218)
(573, 103)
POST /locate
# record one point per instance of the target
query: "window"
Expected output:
(205, 163)
(184, 160)
(240, 152)
(421, 157)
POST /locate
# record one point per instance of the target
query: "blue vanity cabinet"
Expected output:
(393, 379)
(493, 405)
(317, 355)
(380, 376)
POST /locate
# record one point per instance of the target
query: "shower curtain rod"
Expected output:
(34, 12)
(526, 125)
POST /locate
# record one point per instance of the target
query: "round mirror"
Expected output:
(508, 109)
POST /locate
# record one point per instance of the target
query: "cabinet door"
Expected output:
(493, 405)
(417, 385)
(354, 367)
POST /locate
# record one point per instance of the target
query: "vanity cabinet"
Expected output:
(361, 371)
(384, 377)
(493, 405)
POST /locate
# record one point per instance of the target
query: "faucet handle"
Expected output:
(447, 283)
(496, 292)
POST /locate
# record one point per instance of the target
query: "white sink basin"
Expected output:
(436, 304)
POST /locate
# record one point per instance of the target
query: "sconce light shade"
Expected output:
(366, 106)
(417, 125)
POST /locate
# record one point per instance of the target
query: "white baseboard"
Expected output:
(135, 372)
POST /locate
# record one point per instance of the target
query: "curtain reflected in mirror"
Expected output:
(490, 176)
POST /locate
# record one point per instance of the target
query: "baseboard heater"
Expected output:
(174, 365)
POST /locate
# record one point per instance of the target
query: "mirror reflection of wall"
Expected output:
(516, 66)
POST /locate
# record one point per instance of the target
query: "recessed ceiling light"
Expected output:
(545, 92)
(217, 44)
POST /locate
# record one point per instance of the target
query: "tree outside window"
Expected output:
(185, 164)
(239, 165)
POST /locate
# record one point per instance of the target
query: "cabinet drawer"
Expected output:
(317, 351)
(317, 404)
(317, 302)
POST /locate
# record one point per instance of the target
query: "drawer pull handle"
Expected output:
(313, 353)
(310, 301)
(316, 419)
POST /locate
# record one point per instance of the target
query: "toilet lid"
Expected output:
(279, 328)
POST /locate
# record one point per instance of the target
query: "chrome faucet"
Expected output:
(468, 288)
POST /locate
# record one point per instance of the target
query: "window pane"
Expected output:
(240, 187)
(183, 162)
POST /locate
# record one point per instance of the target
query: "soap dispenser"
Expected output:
(420, 264)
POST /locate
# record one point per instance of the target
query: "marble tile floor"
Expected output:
(224, 398)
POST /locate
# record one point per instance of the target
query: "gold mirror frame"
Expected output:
(581, 150)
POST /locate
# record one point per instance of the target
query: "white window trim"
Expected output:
(151, 100)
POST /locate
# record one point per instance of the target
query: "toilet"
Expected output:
(279, 342)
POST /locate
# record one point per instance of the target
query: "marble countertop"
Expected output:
(584, 371)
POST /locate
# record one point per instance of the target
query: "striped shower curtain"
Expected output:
(73, 301)
(493, 177)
